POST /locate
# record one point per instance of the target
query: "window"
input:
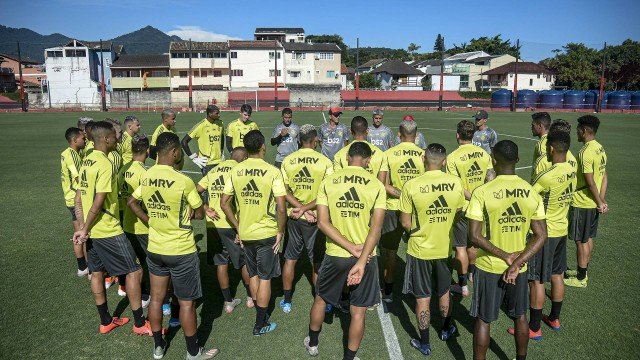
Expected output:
(331, 74)
(271, 55)
(217, 73)
(183, 74)
(538, 76)
(292, 40)
(180, 55)
(295, 74)
(75, 53)
(194, 55)
(234, 54)
(299, 56)
(272, 72)
(206, 55)
(54, 53)
(236, 72)
(159, 73)
(464, 81)
(220, 55)
(203, 73)
(530, 82)
(324, 56)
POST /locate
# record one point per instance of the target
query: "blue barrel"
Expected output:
(591, 99)
(635, 100)
(526, 99)
(573, 99)
(551, 99)
(501, 98)
(605, 99)
(620, 100)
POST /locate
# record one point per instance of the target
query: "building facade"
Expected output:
(141, 72)
(209, 65)
(282, 35)
(307, 63)
(531, 76)
(253, 64)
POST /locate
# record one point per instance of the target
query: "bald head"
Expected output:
(239, 154)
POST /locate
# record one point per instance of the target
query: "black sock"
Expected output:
(424, 336)
(582, 273)
(556, 306)
(144, 296)
(287, 296)
(388, 288)
(248, 289)
(521, 357)
(446, 324)
(313, 337)
(157, 339)
(122, 279)
(192, 344)
(349, 354)
(534, 319)
(175, 311)
(226, 294)
(82, 263)
(105, 317)
(462, 280)
(138, 317)
(260, 316)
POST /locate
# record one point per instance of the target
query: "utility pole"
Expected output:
(357, 73)
(275, 73)
(190, 81)
(441, 76)
(515, 79)
(22, 100)
(102, 95)
(600, 93)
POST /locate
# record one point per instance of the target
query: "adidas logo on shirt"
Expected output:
(350, 199)
(439, 206)
(251, 190)
(303, 176)
(474, 170)
(567, 194)
(218, 184)
(409, 167)
(512, 214)
(156, 202)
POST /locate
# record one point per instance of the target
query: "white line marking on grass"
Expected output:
(524, 167)
(191, 172)
(519, 137)
(390, 337)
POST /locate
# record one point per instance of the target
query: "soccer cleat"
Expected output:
(533, 335)
(553, 324)
(122, 291)
(574, 282)
(388, 298)
(174, 322)
(159, 351)
(143, 330)
(470, 277)
(424, 349)
(267, 327)
(202, 354)
(462, 290)
(446, 334)
(145, 303)
(166, 309)
(570, 273)
(82, 273)
(328, 308)
(285, 306)
(115, 322)
(250, 303)
(229, 306)
(111, 280)
(373, 307)
(312, 350)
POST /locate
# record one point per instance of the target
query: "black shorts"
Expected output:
(420, 276)
(391, 230)
(550, 260)
(260, 259)
(583, 224)
(489, 292)
(72, 210)
(114, 255)
(222, 248)
(332, 277)
(460, 231)
(184, 271)
(304, 235)
(140, 242)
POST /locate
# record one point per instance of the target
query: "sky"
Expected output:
(541, 25)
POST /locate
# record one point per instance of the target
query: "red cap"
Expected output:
(335, 110)
(408, 118)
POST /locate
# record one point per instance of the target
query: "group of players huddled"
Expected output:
(347, 207)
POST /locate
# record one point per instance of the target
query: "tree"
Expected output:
(491, 45)
(413, 50)
(622, 69)
(439, 45)
(426, 83)
(334, 39)
(576, 66)
(369, 81)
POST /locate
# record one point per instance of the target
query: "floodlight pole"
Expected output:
(190, 81)
(600, 93)
(357, 73)
(22, 100)
(441, 92)
(515, 79)
(102, 93)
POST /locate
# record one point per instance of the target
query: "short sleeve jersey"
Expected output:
(159, 130)
(541, 164)
(255, 185)
(556, 186)
(289, 142)
(510, 204)
(169, 197)
(350, 194)
(333, 139)
(303, 171)
(432, 200)
(125, 148)
(381, 137)
(97, 176)
(238, 129)
(420, 141)
(592, 159)
(377, 163)
(209, 136)
(129, 179)
(540, 148)
(87, 149)
(486, 139)
(214, 183)
(470, 164)
(405, 163)
(70, 163)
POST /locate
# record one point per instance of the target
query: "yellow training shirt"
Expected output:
(510, 204)
(129, 179)
(159, 130)
(377, 163)
(351, 194)
(87, 149)
(255, 185)
(209, 136)
(406, 162)
(125, 148)
(70, 163)
(541, 164)
(470, 163)
(303, 171)
(432, 200)
(238, 129)
(97, 176)
(592, 159)
(556, 186)
(214, 182)
(169, 197)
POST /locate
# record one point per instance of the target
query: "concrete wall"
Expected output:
(70, 81)
(450, 83)
(141, 98)
(311, 95)
(531, 81)
(201, 98)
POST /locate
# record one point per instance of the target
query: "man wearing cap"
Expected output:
(419, 141)
(379, 134)
(210, 141)
(285, 137)
(485, 137)
(333, 135)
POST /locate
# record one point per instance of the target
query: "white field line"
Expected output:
(390, 337)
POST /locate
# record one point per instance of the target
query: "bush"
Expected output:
(475, 94)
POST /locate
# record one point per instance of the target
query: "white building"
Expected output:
(396, 75)
(253, 64)
(283, 35)
(307, 63)
(531, 76)
(209, 65)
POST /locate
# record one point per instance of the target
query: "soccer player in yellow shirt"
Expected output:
(168, 125)
(473, 166)
(542, 163)
(88, 127)
(222, 248)
(512, 207)
(351, 205)
(70, 162)
(428, 206)
(171, 200)
(303, 171)
(239, 128)
(258, 190)
(108, 249)
(209, 133)
(540, 123)
(589, 199)
(131, 127)
(406, 161)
